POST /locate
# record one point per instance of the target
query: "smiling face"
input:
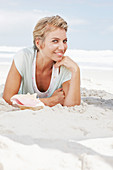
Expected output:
(54, 45)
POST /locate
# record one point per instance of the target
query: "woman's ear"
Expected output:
(39, 43)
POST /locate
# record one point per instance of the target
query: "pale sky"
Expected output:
(90, 21)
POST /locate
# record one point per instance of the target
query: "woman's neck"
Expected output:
(43, 63)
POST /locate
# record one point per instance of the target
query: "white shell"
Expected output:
(27, 101)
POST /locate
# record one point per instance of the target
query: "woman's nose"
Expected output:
(61, 46)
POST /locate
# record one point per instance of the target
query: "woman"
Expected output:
(44, 69)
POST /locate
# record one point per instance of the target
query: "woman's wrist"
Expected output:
(75, 71)
(47, 101)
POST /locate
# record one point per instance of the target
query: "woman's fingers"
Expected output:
(58, 90)
(59, 63)
(67, 62)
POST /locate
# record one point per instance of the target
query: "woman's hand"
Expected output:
(68, 63)
(57, 97)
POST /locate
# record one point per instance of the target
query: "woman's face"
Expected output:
(55, 44)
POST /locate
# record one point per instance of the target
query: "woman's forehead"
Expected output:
(58, 32)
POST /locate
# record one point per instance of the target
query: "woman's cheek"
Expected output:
(53, 46)
(66, 46)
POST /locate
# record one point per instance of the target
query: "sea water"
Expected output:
(89, 59)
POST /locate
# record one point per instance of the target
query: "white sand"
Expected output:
(61, 138)
(97, 79)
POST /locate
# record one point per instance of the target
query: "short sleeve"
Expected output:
(19, 62)
(66, 74)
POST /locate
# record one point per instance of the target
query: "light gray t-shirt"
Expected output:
(24, 64)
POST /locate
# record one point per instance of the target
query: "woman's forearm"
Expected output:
(73, 96)
(47, 101)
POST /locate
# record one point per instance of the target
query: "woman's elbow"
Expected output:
(78, 102)
(7, 99)
(74, 103)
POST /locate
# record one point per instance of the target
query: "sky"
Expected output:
(90, 21)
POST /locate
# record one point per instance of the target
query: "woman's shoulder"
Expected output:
(28, 51)
(25, 54)
(23, 60)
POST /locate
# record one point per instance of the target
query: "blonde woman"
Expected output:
(44, 69)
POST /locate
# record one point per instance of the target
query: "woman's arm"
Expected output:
(72, 90)
(12, 84)
(71, 87)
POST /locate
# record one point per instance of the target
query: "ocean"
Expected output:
(89, 59)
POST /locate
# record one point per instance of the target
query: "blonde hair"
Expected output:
(46, 25)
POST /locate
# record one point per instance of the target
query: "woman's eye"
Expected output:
(55, 41)
(65, 41)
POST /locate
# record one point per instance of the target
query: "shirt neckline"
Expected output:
(51, 85)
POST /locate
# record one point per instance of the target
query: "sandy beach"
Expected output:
(61, 138)
(57, 138)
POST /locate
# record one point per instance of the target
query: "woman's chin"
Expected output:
(60, 58)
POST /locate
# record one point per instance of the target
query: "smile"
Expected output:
(59, 53)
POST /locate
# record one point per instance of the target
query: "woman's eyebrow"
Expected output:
(55, 38)
(58, 38)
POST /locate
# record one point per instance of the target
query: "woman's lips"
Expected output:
(59, 53)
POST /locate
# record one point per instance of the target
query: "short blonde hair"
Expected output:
(46, 25)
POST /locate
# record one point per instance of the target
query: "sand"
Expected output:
(61, 138)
